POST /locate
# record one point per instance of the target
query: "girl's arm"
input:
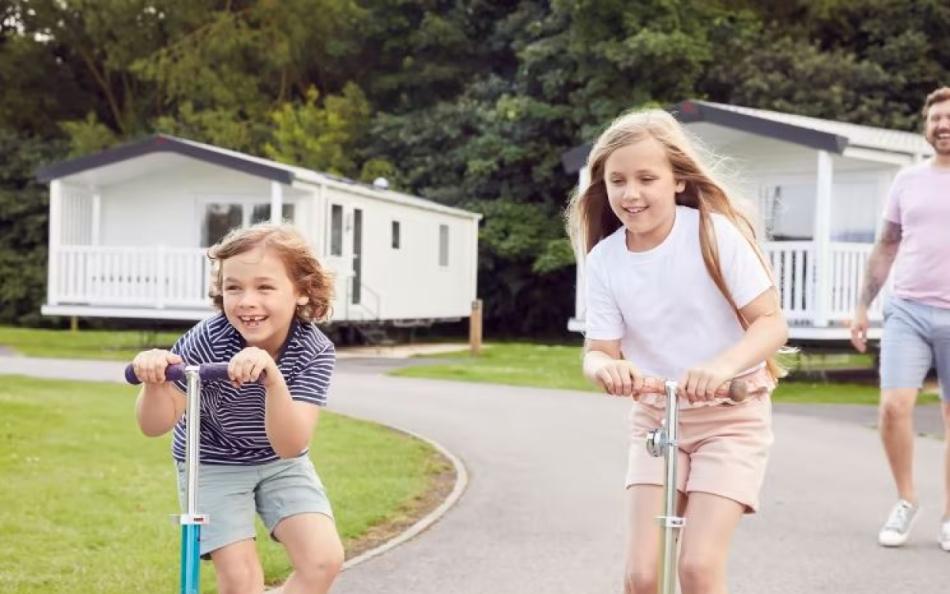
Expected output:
(767, 332)
(605, 366)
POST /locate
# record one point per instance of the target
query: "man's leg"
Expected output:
(897, 434)
(946, 460)
(906, 356)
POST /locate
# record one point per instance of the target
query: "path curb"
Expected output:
(424, 523)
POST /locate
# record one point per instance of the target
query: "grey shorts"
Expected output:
(916, 338)
(230, 495)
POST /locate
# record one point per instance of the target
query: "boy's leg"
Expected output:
(238, 568)
(294, 506)
(315, 552)
(711, 521)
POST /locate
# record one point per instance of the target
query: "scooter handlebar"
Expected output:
(735, 390)
(173, 373)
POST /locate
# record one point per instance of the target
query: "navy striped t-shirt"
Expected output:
(232, 419)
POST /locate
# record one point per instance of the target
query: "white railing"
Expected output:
(793, 263)
(125, 276)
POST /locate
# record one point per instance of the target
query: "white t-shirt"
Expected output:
(662, 304)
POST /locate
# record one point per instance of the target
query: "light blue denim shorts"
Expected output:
(230, 495)
(916, 338)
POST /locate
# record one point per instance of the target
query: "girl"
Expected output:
(676, 288)
(270, 289)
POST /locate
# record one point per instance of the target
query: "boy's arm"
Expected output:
(289, 423)
(158, 407)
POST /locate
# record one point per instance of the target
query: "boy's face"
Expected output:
(937, 129)
(259, 297)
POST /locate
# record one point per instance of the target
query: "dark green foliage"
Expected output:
(467, 102)
(23, 226)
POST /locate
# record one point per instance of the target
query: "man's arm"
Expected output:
(880, 262)
(879, 266)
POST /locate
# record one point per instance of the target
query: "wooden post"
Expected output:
(475, 328)
(824, 280)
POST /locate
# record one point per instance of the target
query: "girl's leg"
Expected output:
(644, 504)
(315, 551)
(711, 521)
(238, 568)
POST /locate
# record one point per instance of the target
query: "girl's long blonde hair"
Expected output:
(591, 219)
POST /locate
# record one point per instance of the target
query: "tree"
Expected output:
(24, 205)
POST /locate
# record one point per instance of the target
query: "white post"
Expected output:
(822, 240)
(319, 227)
(55, 226)
(161, 270)
(96, 216)
(473, 260)
(276, 202)
(580, 253)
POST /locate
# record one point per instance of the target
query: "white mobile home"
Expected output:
(820, 185)
(130, 227)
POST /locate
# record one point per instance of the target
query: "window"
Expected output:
(443, 245)
(336, 230)
(261, 213)
(395, 235)
(222, 217)
(218, 220)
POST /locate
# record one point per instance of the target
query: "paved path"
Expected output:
(544, 507)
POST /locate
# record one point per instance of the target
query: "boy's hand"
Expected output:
(252, 364)
(149, 366)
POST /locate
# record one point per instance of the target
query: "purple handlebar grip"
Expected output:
(213, 372)
(173, 373)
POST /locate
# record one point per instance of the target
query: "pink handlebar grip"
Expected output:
(735, 390)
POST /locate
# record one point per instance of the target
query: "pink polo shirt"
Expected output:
(919, 202)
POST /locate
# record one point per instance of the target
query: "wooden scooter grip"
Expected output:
(735, 390)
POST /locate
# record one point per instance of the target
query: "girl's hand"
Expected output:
(149, 366)
(619, 377)
(250, 365)
(700, 383)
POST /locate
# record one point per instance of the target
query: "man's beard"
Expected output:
(934, 142)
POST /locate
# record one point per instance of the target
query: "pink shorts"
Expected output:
(723, 449)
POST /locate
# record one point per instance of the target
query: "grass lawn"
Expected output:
(120, 345)
(545, 366)
(86, 499)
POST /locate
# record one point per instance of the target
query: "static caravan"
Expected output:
(820, 188)
(130, 228)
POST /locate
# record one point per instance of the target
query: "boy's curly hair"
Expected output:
(310, 278)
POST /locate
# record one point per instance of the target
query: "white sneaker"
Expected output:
(945, 535)
(898, 525)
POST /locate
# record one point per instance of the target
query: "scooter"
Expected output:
(662, 441)
(192, 520)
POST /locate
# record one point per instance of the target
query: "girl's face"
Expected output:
(260, 299)
(642, 192)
